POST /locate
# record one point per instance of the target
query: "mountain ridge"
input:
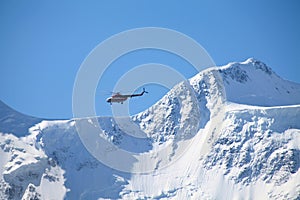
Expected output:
(9, 117)
(203, 139)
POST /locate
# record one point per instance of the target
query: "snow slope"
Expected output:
(230, 132)
(14, 122)
(253, 82)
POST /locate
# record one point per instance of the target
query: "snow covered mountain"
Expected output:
(230, 132)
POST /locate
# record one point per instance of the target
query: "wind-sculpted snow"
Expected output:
(258, 143)
(176, 112)
(85, 176)
(230, 132)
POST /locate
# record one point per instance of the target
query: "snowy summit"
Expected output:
(230, 132)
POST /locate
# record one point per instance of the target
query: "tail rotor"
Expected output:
(144, 91)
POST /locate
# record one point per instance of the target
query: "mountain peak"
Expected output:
(252, 60)
(257, 64)
(252, 82)
(249, 64)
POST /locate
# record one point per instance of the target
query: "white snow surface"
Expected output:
(230, 132)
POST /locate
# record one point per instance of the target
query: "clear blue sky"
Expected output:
(44, 43)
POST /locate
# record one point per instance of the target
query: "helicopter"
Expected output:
(120, 98)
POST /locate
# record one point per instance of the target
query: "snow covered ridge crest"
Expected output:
(254, 153)
(254, 83)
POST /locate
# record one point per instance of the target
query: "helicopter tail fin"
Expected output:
(144, 91)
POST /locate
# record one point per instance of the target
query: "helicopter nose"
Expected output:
(108, 100)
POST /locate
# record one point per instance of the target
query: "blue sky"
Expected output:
(44, 43)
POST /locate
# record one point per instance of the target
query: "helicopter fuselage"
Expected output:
(117, 99)
(120, 98)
